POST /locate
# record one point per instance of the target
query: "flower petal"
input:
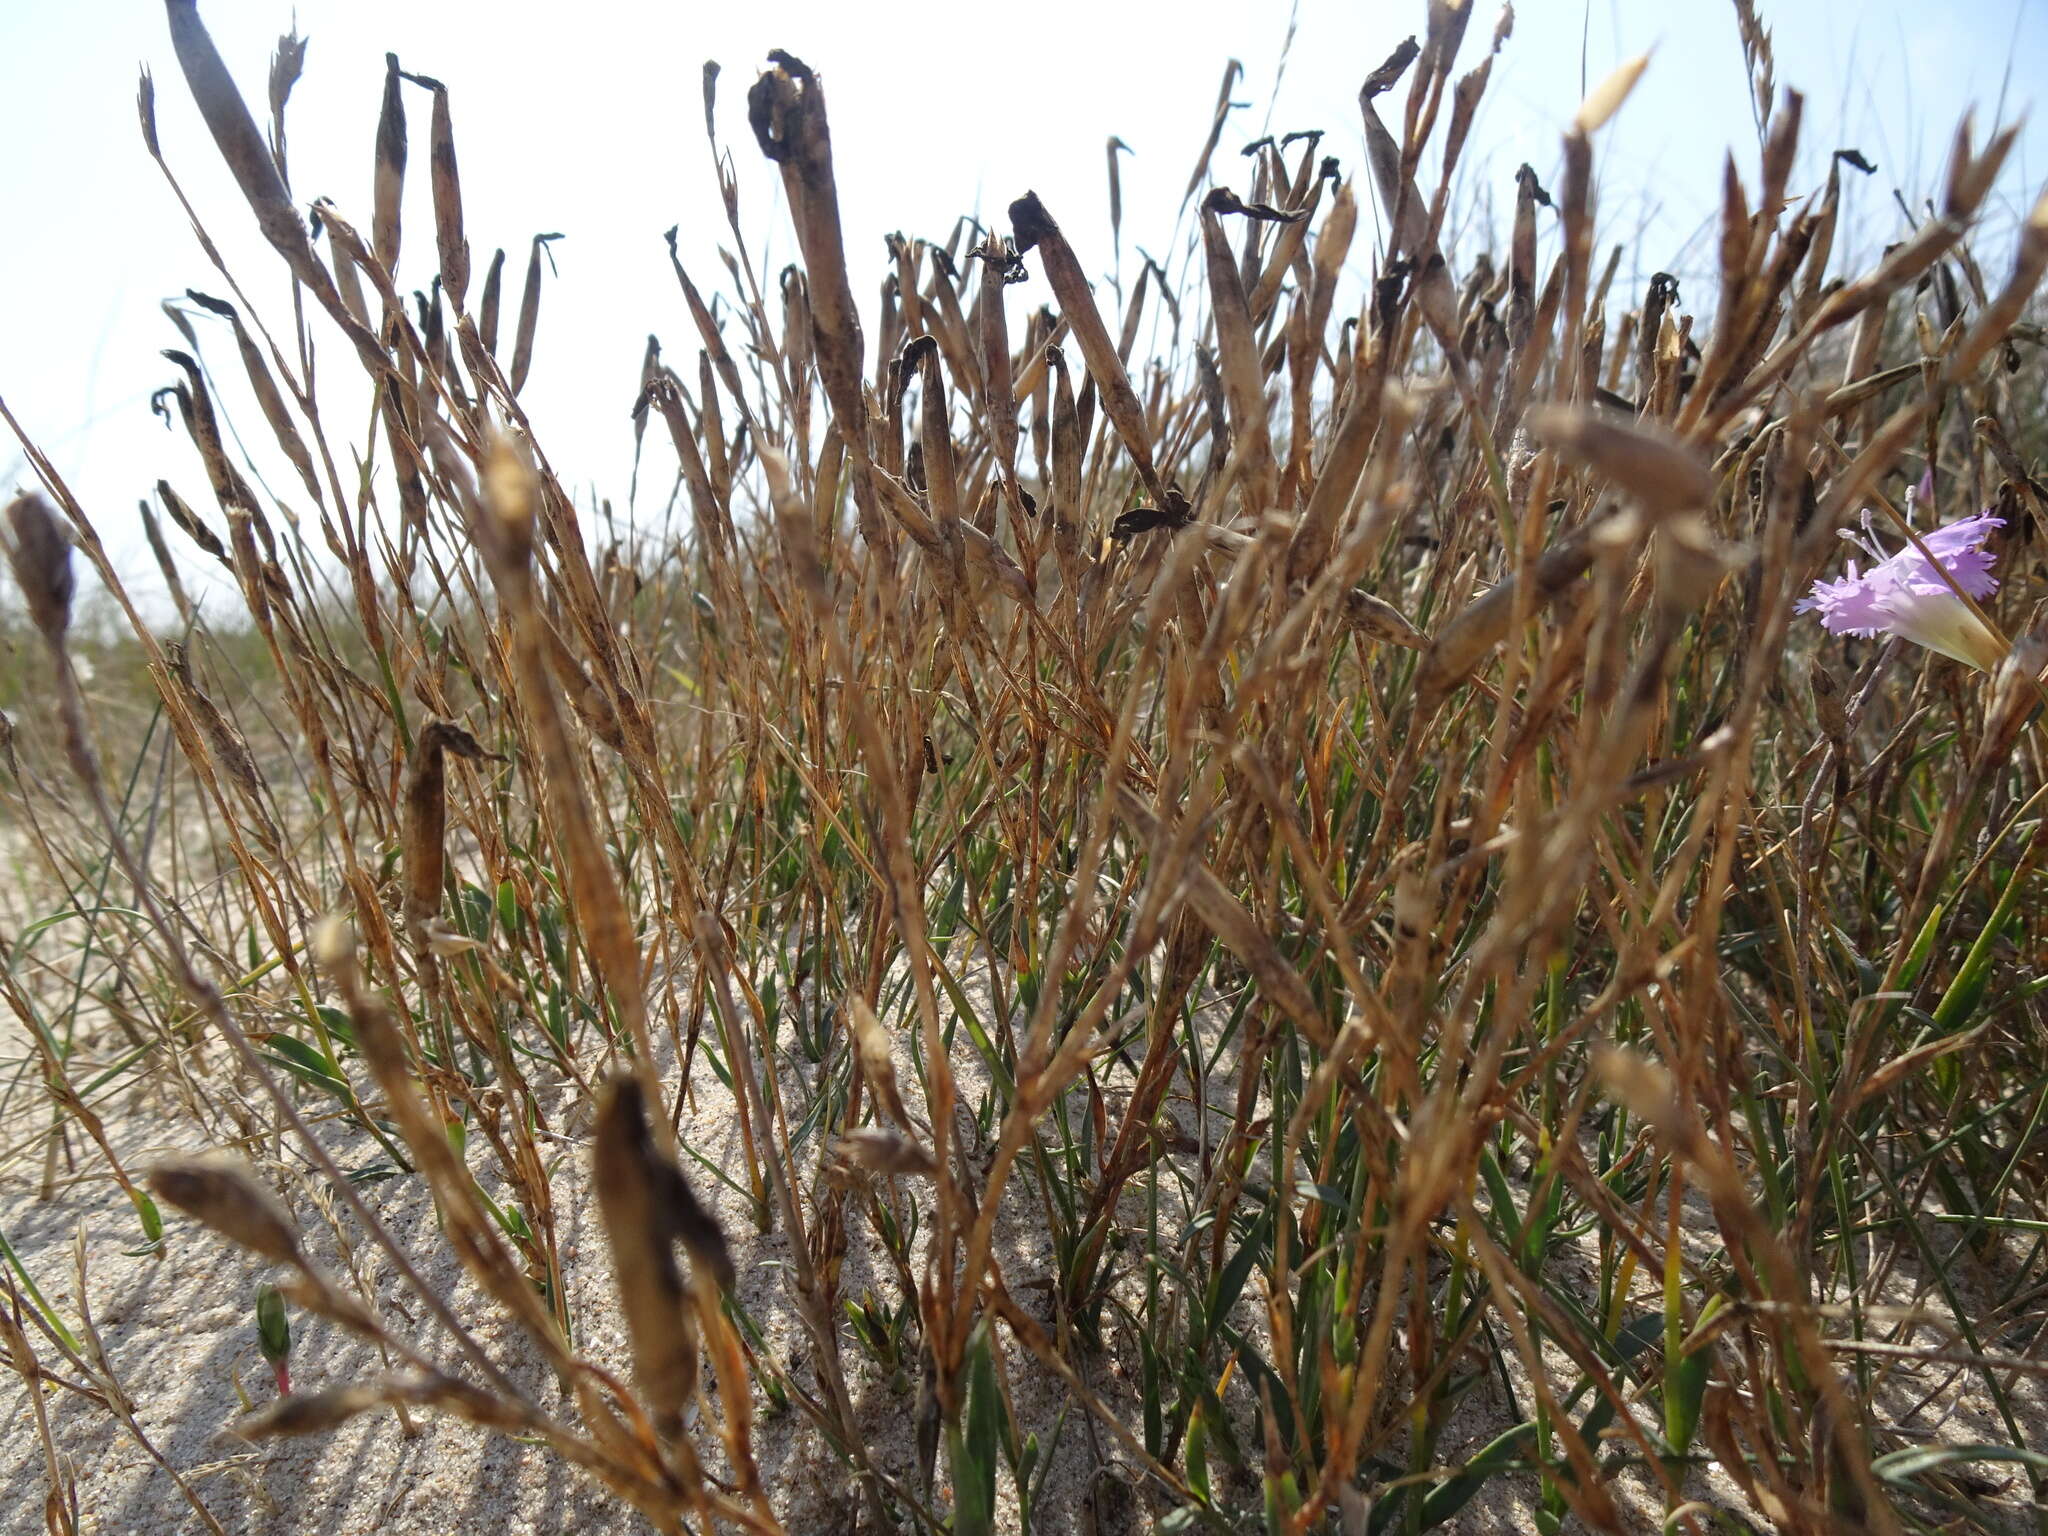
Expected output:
(1941, 621)
(1848, 606)
(1967, 533)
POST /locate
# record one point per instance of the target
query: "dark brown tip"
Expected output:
(1029, 222)
(764, 99)
(1382, 80)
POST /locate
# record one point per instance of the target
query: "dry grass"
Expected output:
(1282, 891)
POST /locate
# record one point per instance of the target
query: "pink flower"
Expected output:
(1905, 594)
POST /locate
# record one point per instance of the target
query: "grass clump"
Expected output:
(1289, 935)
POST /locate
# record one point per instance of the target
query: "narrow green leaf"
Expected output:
(1230, 1279)
(1901, 1466)
(36, 1296)
(1453, 1494)
(152, 1218)
(977, 1444)
(1974, 974)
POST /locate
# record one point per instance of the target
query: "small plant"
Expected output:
(274, 1335)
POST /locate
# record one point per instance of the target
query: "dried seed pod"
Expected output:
(189, 521)
(714, 529)
(1243, 379)
(452, 247)
(786, 108)
(707, 327)
(988, 559)
(223, 1191)
(1134, 312)
(40, 554)
(1068, 446)
(153, 533)
(195, 405)
(241, 145)
(1116, 191)
(487, 310)
(1645, 462)
(529, 312)
(1463, 643)
(876, 1064)
(2030, 261)
(1233, 71)
(389, 185)
(1337, 482)
(592, 707)
(1378, 619)
(310, 1413)
(1034, 227)
(268, 397)
(228, 743)
(451, 1395)
(2015, 695)
(999, 267)
(1606, 98)
(505, 528)
(881, 1149)
(631, 1198)
(426, 813)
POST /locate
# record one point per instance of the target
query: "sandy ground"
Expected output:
(178, 1326)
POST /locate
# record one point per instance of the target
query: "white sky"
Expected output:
(587, 118)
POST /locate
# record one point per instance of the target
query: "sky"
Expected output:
(587, 119)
